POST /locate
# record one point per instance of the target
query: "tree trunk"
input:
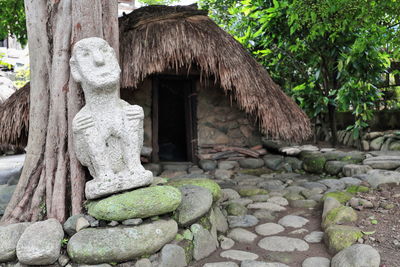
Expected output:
(332, 123)
(52, 181)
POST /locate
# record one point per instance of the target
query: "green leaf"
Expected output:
(374, 221)
(368, 233)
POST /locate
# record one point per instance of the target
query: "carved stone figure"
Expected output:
(107, 131)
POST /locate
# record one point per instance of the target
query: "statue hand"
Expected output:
(82, 122)
(133, 112)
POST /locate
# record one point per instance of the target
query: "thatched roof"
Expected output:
(154, 39)
(14, 118)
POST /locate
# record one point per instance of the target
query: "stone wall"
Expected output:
(220, 121)
(384, 141)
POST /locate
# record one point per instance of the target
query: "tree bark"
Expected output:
(332, 123)
(52, 181)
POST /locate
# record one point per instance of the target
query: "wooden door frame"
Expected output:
(190, 115)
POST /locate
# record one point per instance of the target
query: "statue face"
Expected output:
(94, 63)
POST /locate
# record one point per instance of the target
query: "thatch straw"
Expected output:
(14, 119)
(155, 39)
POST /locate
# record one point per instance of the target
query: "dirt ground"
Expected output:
(382, 223)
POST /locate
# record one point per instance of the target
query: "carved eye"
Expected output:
(86, 53)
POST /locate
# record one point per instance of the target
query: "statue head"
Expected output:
(94, 64)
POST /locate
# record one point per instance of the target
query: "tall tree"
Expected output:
(52, 181)
(328, 54)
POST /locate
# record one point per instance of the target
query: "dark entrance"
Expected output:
(173, 119)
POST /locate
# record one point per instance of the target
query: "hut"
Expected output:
(201, 91)
(198, 86)
(14, 118)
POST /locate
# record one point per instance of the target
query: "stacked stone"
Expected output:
(373, 141)
(179, 217)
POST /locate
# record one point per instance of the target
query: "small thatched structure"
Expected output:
(14, 119)
(198, 86)
(156, 39)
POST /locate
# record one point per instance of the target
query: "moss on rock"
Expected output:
(338, 237)
(339, 215)
(314, 163)
(139, 203)
(342, 197)
(251, 191)
(202, 182)
(356, 189)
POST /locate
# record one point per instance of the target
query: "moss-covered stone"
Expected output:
(338, 237)
(255, 172)
(120, 244)
(251, 191)
(236, 209)
(314, 163)
(291, 196)
(139, 203)
(206, 183)
(356, 189)
(353, 157)
(342, 197)
(339, 215)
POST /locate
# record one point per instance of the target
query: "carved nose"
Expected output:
(98, 58)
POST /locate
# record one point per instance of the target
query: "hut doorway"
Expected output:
(174, 128)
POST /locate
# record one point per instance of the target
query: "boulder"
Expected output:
(202, 182)
(251, 191)
(139, 203)
(342, 197)
(357, 255)
(316, 261)
(354, 169)
(376, 143)
(119, 244)
(395, 146)
(339, 215)
(378, 177)
(339, 237)
(314, 163)
(203, 242)
(273, 161)
(196, 202)
(227, 164)
(9, 236)
(334, 167)
(250, 163)
(40, 243)
(295, 163)
(383, 162)
(172, 256)
(208, 165)
(330, 203)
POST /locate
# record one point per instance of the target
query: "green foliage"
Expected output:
(322, 52)
(12, 20)
(158, 2)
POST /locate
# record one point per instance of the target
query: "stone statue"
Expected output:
(107, 131)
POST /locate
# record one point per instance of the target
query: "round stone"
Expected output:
(242, 221)
(278, 200)
(316, 261)
(238, 255)
(283, 244)
(266, 206)
(242, 235)
(314, 237)
(269, 229)
(357, 255)
(293, 221)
